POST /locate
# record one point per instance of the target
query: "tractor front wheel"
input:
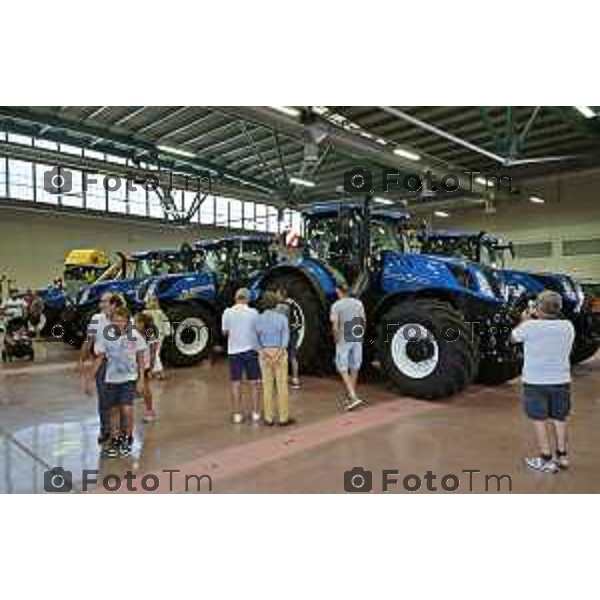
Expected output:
(426, 349)
(192, 335)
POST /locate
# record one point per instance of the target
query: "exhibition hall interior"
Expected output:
(299, 299)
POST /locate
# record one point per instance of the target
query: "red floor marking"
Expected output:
(40, 368)
(246, 457)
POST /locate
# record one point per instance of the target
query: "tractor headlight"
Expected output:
(150, 292)
(568, 289)
(485, 287)
(84, 297)
(579, 294)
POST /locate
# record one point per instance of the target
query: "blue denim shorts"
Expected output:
(244, 363)
(120, 394)
(547, 401)
(348, 356)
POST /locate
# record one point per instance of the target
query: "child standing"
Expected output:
(160, 322)
(148, 330)
(122, 347)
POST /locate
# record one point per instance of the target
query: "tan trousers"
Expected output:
(274, 367)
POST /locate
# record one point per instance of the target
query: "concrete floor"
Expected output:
(46, 421)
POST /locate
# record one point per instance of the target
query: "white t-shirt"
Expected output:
(121, 355)
(547, 345)
(239, 322)
(96, 327)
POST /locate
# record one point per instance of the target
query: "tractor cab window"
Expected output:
(493, 256)
(385, 235)
(252, 257)
(337, 240)
(156, 267)
(76, 276)
(458, 247)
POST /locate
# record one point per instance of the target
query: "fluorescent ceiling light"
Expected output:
(441, 213)
(304, 182)
(320, 110)
(176, 151)
(407, 154)
(383, 200)
(586, 111)
(290, 111)
(536, 200)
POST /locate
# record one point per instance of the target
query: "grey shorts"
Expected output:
(348, 356)
(547, 401)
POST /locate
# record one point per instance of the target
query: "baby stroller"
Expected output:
(17, 340)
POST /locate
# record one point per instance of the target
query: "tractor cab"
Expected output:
(81, 268)
(350, 236)
(236, 260)
(483, 248)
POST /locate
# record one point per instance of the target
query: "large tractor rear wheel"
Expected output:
(583, 350)
(192, 335)
(426, 349)
(495, 373)
(312, 340)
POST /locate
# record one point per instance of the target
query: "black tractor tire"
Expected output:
(314, 341)
(188, 322)
(497, 373)
(72, 327)
(583, 350)
(457, 356)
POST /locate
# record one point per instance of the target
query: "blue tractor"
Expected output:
(194, 300)
(434, 323)
(522, 286)
(81, 268)
(126, 276)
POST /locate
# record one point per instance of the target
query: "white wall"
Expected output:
(571, 212)
(33, 244)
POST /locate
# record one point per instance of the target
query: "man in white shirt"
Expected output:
(547, 342)
(239, 325)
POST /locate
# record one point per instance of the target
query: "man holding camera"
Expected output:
(547, 341)
(348, 324)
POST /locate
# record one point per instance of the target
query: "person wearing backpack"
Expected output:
(290, 309)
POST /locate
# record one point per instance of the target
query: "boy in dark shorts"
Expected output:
(547, 342)
(122, 348)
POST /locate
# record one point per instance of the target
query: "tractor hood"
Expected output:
(91, 294)
(447, 272)
(529, 284)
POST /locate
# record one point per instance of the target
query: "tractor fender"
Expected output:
(301, 271)
(384, 304)
(199, 302)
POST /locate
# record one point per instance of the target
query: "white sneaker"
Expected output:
(256, 417)
(237, 418)
(353, 403)
(537, 463)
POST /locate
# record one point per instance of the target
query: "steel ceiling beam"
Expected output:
(179, 180)
(450, 137)
(119, 143)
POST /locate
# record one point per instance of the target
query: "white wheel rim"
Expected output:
(300, 331)
(201, 337)
(406, 365)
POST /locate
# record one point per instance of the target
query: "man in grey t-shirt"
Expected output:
(348, 324)
(547, 342)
